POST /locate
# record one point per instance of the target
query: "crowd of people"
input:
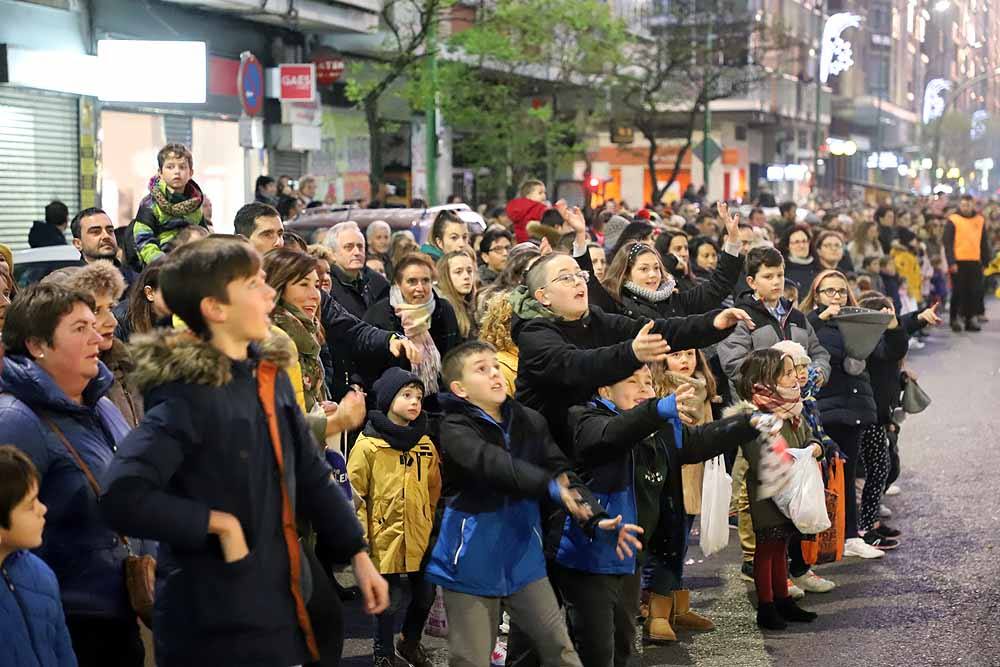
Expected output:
(514, 420)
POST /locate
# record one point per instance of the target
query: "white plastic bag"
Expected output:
(803, 498)
(437, 620)
(716, 490)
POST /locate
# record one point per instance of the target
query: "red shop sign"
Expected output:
(329, 67)
(298, 82)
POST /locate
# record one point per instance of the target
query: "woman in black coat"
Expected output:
(847, 402)
(801, 266)
(413, 311)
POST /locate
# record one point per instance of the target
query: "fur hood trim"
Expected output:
(97, 278)
(179, 356)
(739, 408)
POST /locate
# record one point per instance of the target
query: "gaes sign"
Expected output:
(298, 82)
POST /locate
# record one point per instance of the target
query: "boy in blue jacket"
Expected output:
(500, 460)
(219, 469)
(31, 616)
(630, 447)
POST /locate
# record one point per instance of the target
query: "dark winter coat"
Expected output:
(849, 400)
(885, 371)
(793, 326)
(490, 542)
(444, 326)
(205, 445)
(353, 347)
(43, 234)
(609, 459)
(32, 623)
(359, 295)
(700, 298)
(78, 544)
(802, 274)
(562, 363)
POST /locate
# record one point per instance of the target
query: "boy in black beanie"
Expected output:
(395, 469)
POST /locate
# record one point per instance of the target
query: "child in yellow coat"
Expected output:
(396, 471)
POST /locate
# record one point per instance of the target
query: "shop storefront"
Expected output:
(39, 158)
(131, 140)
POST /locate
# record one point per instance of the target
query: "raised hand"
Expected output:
(649, 347)
(732, 222)
(684, 396)
(930, 316)
(628, 543)
(404, 346)
(831, 311)
(730, 317)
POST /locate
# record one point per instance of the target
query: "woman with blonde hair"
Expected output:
(865, 243)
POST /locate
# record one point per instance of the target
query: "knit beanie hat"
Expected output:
(794, 350)
(613, 228)
(390, 384)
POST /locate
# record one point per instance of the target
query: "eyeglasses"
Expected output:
(832, 246)
(833, 291)
(571, 278)
(500, 249)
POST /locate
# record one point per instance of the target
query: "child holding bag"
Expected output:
(770, 379)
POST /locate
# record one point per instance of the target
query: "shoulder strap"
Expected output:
(76, 455)
(83, 466)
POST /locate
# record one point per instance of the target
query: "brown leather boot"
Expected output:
(684, 617)
(660, 607)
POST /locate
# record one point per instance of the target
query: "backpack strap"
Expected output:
(267, 374)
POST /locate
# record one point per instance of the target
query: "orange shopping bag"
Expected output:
(828, 546)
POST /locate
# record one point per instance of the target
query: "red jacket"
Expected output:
(521, 211)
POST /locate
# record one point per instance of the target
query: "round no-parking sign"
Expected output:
(250, 82)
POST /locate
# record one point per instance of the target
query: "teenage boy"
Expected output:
(219, 469)
(396, 471)
(502, 461)
(775, 319)
(174, 202)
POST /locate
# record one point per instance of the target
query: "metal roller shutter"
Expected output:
(39, 158)
(287, 163)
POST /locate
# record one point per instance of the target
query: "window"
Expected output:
(878, 73)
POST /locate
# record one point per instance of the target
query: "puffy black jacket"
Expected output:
(885, 371)
(702, 297)
(849, 400)
(561, 363)
(354, 348)
(204, 444)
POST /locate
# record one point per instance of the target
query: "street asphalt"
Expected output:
(933, 601)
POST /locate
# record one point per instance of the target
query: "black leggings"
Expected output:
(848, 439)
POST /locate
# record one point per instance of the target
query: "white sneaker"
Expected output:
(893, 490)
(917, 344)
(498, 657)
(884, 512)
(794, 591)
(505, 624)
(813, 583)
(858, 548)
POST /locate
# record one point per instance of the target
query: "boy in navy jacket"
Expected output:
(500, 460)
(218, 470)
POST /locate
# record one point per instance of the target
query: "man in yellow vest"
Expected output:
(967, 248)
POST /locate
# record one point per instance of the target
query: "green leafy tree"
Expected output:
(507, 83)
(406, 25)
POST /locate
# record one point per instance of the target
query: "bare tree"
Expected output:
(407, 24)
(691, 57)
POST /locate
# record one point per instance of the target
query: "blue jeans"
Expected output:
(665, 574)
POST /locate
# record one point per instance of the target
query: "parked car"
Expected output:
(32, 265)
(416, 220)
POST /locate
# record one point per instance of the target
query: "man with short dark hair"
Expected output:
(967, 249)
(52, 230)
(260, 224)
(94, 236)
(788, 212)
(493, 251)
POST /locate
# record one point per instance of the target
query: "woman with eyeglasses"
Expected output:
(829, 251)
(846, 401)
